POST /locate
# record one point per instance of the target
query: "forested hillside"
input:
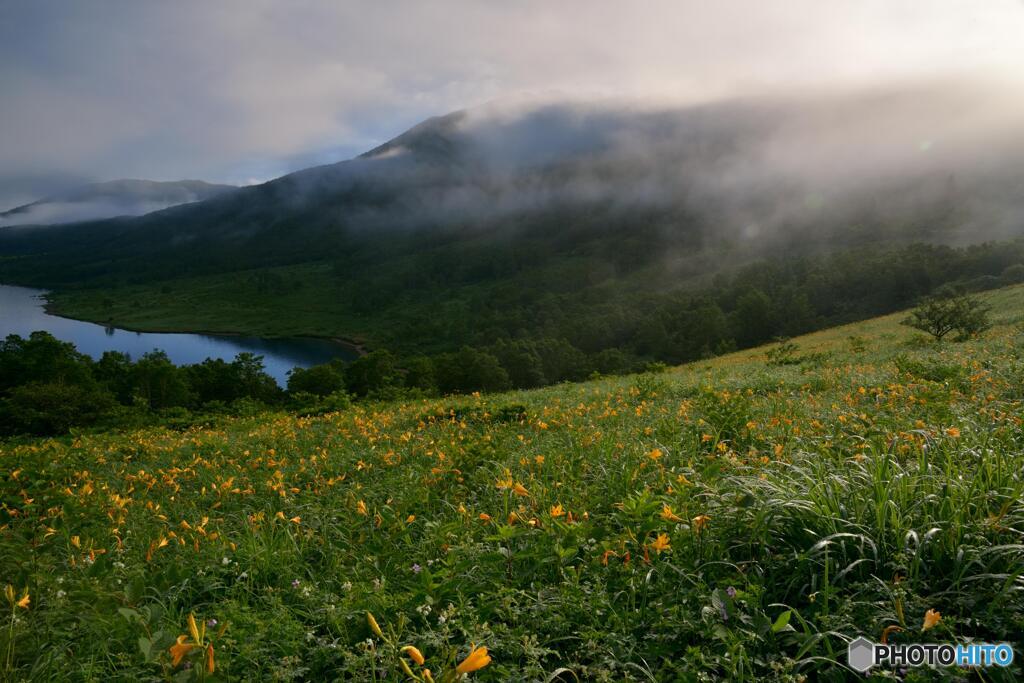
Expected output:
(623, 233)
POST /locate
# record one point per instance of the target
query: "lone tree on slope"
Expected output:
(946, 312)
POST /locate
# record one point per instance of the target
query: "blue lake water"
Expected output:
(22, 312)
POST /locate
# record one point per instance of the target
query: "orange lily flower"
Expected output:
(668, 515)
(476, 660)
(414, 654)
(661, 543)
(180, 649)
(374, 626)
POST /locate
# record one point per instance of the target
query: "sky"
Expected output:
(244, 91)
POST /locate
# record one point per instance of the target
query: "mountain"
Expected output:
(110, 199)
(578, 221)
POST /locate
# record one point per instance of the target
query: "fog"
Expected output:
(57, 212)
(946, 151)
(96, 201)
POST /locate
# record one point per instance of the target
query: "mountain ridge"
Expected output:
(538, 221)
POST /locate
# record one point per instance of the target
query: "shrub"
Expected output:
(783, 354)
(944, 313)
(1013, 274)
(47, 408)
(311, 405)
(931, 370)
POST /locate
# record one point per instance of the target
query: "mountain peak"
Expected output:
(432, 138)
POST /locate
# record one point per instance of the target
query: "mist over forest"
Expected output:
(934, 161)
(96, 201)
(752, 167)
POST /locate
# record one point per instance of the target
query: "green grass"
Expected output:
(311, 304)
(313, 300)
(797, 506)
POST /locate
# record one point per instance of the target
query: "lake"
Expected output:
(22, 312)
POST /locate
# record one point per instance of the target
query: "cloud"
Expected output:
(93, 201)
(53, 213)
(19, 188)
(935, 158)
(232, 90)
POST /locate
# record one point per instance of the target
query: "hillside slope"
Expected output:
(728, 519)
(656, 231)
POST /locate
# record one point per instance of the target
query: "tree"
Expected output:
(253, 381)
(218, 380)
(698, 327)
(947, 312)
(212, 380)
(521, 362)
(114, 371)
(419, 374)
(652, 338)
(372, 372)
(614, 362)
(41, 358)
(1013, 273)
(48, 386)
(159, 382)
(53, 407)
(470, 370)
(752, 318)
(561, 361)
(320, 380)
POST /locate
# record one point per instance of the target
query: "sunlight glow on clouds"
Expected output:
(228, 91)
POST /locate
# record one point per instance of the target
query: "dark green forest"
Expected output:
(533, 338)
(462, 272)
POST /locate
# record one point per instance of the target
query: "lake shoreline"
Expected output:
(355, 345)
(25, 310)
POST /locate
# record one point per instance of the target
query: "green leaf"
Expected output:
(782, 622)
(128, 613)
(136, 589)
(146, 647)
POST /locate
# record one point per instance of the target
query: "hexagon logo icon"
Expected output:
(860, 654)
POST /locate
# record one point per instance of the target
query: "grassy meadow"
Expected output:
(736, 519)
(222, 303)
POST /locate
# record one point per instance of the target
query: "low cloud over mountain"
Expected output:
(935, 161)
(107, 200)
